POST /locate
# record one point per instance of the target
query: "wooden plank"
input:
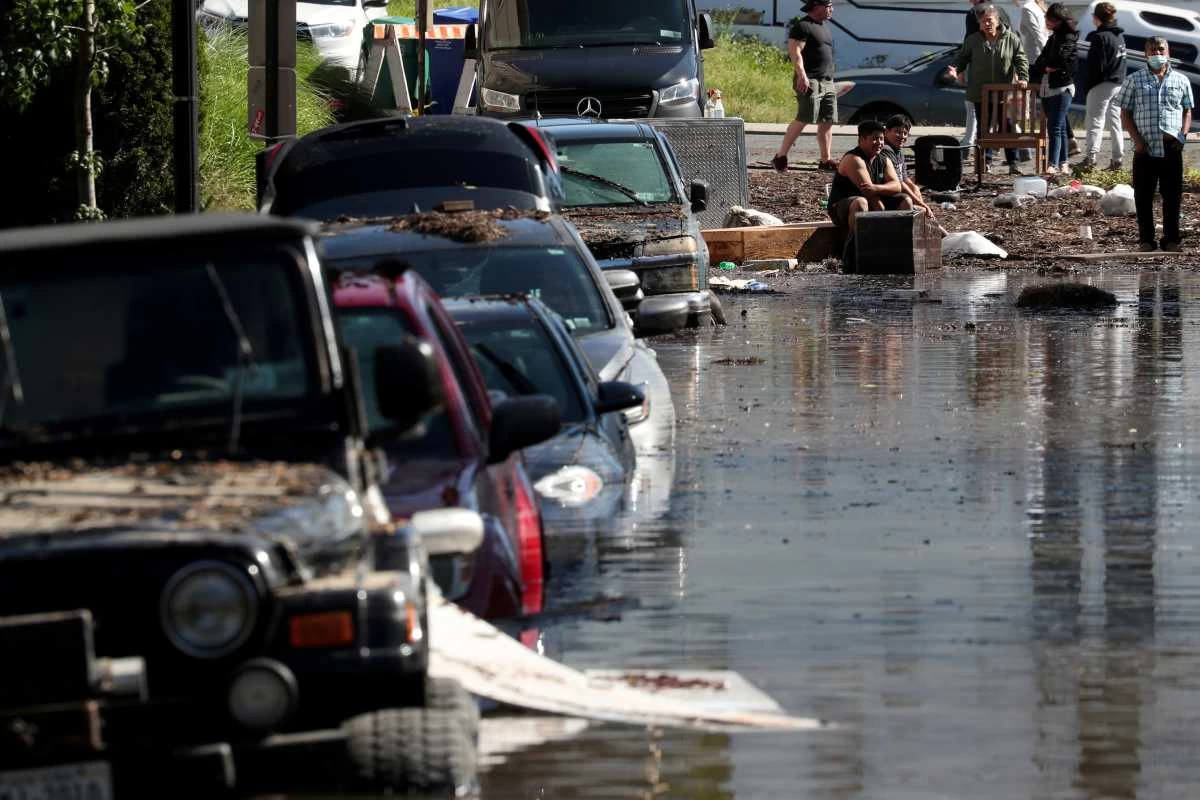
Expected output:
(1119, 254)
(759, 242)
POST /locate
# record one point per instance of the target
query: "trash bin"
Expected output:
(446, 58)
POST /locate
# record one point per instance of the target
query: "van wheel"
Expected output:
(718, 310)
(447, 694)
(405, 750)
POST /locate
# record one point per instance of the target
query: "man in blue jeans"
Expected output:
(1156, 111)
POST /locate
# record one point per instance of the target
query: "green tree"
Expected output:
(40, 37)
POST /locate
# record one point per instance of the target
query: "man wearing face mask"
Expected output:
(1156, 111)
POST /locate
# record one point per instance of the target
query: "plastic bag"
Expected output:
(1118, 201)
(970, 243)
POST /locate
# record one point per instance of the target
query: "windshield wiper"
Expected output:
(12, 377)
(245, 354)
(514, 376)
(625, 190)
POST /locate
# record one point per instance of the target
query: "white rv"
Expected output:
(871, 33)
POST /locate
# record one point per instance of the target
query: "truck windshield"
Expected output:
(535, 24)
(613, 173)
(136, 344)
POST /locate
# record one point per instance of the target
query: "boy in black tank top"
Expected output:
(866, 180)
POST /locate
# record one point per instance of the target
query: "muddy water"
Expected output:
(964, 533)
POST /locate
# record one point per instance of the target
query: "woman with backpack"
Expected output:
(1054, 69)
(1105, 74)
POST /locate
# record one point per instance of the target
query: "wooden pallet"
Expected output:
(817, 240)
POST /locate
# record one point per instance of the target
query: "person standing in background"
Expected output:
(1054, 69)
(1105, 74)
(810, 48)
(977, 6)
(1156, 110)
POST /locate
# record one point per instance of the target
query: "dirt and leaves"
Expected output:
(1035, 235)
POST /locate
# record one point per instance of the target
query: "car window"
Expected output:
(461, 366)
(613, 173)
(519, 358)
(367, 329)
(550, 23)
(120, 340)
(556, 275)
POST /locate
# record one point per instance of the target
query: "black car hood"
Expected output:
(588, 68)
(616, 230)
(304, 505)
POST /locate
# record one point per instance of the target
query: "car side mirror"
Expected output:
(470, 43)
(698, 192)
(448, 531)
(618, 396)
(375, 3)
(944, 78)
(408, 384)
(662, 313)
(626, 285)
(706, 29)
(521, 422)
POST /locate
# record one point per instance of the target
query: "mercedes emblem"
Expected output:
(588, 107)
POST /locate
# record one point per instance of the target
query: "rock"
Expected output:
(1065, 295)
(945, 197)
(1011, 200)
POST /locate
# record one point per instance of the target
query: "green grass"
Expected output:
(1106, 179)
(408, 8)
(226, 151)
(755, 78)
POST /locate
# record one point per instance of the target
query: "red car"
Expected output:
(464, 454)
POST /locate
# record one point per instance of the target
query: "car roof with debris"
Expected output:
(156, 231)
(442, 231)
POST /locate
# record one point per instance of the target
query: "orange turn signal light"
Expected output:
(326, 629)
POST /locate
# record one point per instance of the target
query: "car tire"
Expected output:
(718, 310)
(411, 750)
(447, 694)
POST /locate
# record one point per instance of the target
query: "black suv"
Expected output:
(198, 581)
(398, 165)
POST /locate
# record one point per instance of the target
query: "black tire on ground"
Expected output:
(447, 694)
(420, 750)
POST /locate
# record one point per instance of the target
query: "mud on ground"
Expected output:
(1034, 236)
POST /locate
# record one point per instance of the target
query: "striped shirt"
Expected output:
(1157, 106)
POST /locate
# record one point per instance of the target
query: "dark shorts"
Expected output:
(819, 103)
(839, 212)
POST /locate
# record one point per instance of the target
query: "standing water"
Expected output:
(963, 533)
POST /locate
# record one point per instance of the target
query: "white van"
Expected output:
(1179, 26)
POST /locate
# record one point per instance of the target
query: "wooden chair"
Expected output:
(1011, 117)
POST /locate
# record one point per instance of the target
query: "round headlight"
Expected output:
(208, 608)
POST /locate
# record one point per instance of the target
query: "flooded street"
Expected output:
(962, 533)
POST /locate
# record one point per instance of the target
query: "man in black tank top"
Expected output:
(866, 180)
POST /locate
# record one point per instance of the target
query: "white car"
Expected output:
(334, 26)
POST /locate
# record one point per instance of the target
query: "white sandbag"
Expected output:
(1011, 200)
(1094, 192)
(1118, 201)
(739, 217)
(970, 243)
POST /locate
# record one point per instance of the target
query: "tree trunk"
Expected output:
(86, 54)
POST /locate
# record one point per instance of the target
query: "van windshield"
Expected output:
(535, 24)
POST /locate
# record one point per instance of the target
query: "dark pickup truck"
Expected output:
(200, 588)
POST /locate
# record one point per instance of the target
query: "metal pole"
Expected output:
(185, 110)
(271, 119)
(422, 25)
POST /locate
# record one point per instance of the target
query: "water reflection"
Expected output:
(961, 531)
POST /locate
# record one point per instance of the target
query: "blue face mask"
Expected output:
(1156, 62)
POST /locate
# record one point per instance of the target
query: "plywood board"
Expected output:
(759, 242)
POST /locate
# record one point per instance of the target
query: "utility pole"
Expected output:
(185, 110)
(271, 79)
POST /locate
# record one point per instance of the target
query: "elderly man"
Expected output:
(1156, 111)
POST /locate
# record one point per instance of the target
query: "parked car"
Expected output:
(624, 191)
(333, 26)
(473, 253)
(461, 453)
(397, 165)
(924, 92)
(196, 578)
(623, 58)
(523, 348)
